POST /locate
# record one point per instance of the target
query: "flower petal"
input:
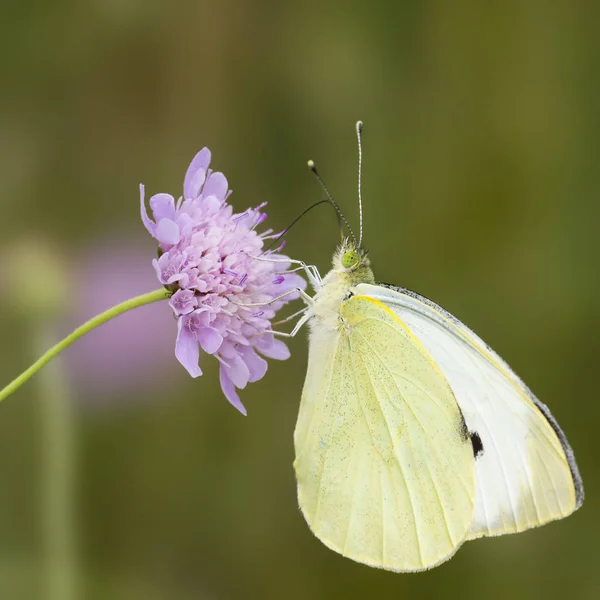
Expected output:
(216, 185)
(229, 390)
(272, 348)
(163, 206)
(167, 232)
(158, 269)
(256, 365)
(237, 371)
(186, 349)
(196, 174)
(183, 302)
(209, 339)
(148, 224)
(293, 280)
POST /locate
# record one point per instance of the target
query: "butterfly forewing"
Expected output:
(525, 470)
(385, 465)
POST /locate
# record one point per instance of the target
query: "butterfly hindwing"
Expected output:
(385, 465)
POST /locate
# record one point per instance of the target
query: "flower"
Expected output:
(223, 289)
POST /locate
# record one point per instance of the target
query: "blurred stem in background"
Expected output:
(43, 302)
(58, 469)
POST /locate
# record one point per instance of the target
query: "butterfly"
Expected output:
(413, 435)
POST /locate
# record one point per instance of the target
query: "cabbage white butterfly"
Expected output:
(413, 435)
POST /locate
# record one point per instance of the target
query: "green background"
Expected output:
(481, 189)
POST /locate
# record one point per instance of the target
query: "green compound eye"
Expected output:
(350, 258)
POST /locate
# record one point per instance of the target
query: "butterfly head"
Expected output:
(350, 259)
(352, 262)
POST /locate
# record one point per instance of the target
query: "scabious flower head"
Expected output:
(208, 258)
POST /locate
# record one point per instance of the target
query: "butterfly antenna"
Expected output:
(304, 212)
(359, 127)
(341, 217)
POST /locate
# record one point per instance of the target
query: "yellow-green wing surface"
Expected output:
(526, 474)
(384, 461)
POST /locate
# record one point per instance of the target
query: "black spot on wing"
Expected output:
(476, 443)
(576, 477)
(471, 436)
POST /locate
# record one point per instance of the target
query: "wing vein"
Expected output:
(353, 503)
(498, 453)
(408, 493)
(433, 480)
(383, 528)
(410, 408)
(320, 487)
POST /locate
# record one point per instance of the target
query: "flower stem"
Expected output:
(94, 322)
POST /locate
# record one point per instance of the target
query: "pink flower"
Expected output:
(207, 257)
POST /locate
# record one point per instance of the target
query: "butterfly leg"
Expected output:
(294, 331)
(305, 312)
(312, 273)
(291, 316)
(300, 323)
(307, 299)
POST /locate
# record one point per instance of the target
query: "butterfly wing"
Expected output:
(384, 463)
(526, 473)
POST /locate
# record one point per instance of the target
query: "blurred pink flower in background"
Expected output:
(223, 294)
(133, 352)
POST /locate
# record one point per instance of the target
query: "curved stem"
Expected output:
(94, 322)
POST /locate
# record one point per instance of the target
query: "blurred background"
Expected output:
(121, 476)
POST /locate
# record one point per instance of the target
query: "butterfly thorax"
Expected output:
(350, 267)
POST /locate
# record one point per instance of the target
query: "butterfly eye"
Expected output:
(350, 259)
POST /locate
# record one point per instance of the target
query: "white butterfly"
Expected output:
(413, 435)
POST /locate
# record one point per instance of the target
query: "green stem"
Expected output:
(115, 311)
(58, 480)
